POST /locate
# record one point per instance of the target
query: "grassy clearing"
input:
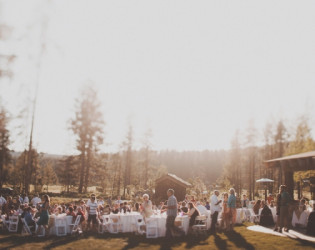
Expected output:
(241, 238)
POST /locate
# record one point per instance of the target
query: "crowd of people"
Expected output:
(37, 210)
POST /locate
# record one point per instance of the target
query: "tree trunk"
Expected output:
(82, 170)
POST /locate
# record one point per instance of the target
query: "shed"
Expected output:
(168, 181)
(286, 166)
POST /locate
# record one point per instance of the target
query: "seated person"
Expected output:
(257, 207)
(207, 206)
(81, 212)
(266, 218)
(184, 209)
(29, 219)
(270, 198)
(116, 208)
(310, 228)
(244, 201)
(272, 204)
(302, 205)
(71, 213)
(107, 209)
(58, 211)
(193, 213)
(136, 207)
(124, 208)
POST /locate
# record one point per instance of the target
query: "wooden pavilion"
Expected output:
(285, 167)
(170, 181)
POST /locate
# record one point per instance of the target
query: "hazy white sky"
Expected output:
(193, 71)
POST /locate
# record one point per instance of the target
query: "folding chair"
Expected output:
(104, 226)
(76, 225)
(26, 228)
(140, 225)
(61, 227)
(14, 222)
(115, 225)
(200, 226)
(41, 232)
(5, 223)
(255, 218)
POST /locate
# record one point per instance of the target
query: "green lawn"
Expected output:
(241, 238)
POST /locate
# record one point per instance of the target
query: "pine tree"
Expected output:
(88, 127)
(5, 157)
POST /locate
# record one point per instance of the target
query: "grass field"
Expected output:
(241, 238)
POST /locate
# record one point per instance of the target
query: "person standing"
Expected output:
(171, 211)
(2, 202)
(44, 215)
(215, 208)
(25, 199)
(92, 209)
(36, 200)
(245, 201)
(284, 208)
(232, 209)
(147, 206)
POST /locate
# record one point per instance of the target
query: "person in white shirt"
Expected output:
(36, 200)
(25, 200)
(215, 208)
(100, 201)
(92, 208)
(118, 201)
(20, 199)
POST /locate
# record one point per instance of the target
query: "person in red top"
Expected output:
(81, 212)
(71, 212)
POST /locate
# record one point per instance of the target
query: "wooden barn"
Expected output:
(170, 181)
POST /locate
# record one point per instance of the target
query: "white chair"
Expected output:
(75, 227)
(179, 223)
(41, 231)
(115, 225)
(14, 222)
(254, 218)
(152, 228)
(201, 225)
(61, 227)
(140, 226)
(105, 225)
(5, 223)
(26, 228)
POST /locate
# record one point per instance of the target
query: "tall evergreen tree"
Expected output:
(5, 157)
(88, 127)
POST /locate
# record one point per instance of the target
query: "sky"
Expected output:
(191, 71)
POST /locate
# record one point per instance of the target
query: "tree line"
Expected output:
(250, 148)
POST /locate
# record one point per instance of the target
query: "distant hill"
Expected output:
(45, 156)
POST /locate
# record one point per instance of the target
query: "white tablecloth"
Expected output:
(302, 220)
(242, 214)
(128, 220)
(161, 221)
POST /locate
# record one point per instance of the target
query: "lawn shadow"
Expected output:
(221, 244)
(238, 240)
(59, 241)
(15, 240)
(165, 244)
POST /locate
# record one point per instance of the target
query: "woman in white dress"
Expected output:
(146, 206)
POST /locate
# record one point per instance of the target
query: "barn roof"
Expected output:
(310, 154)
(174, 178)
